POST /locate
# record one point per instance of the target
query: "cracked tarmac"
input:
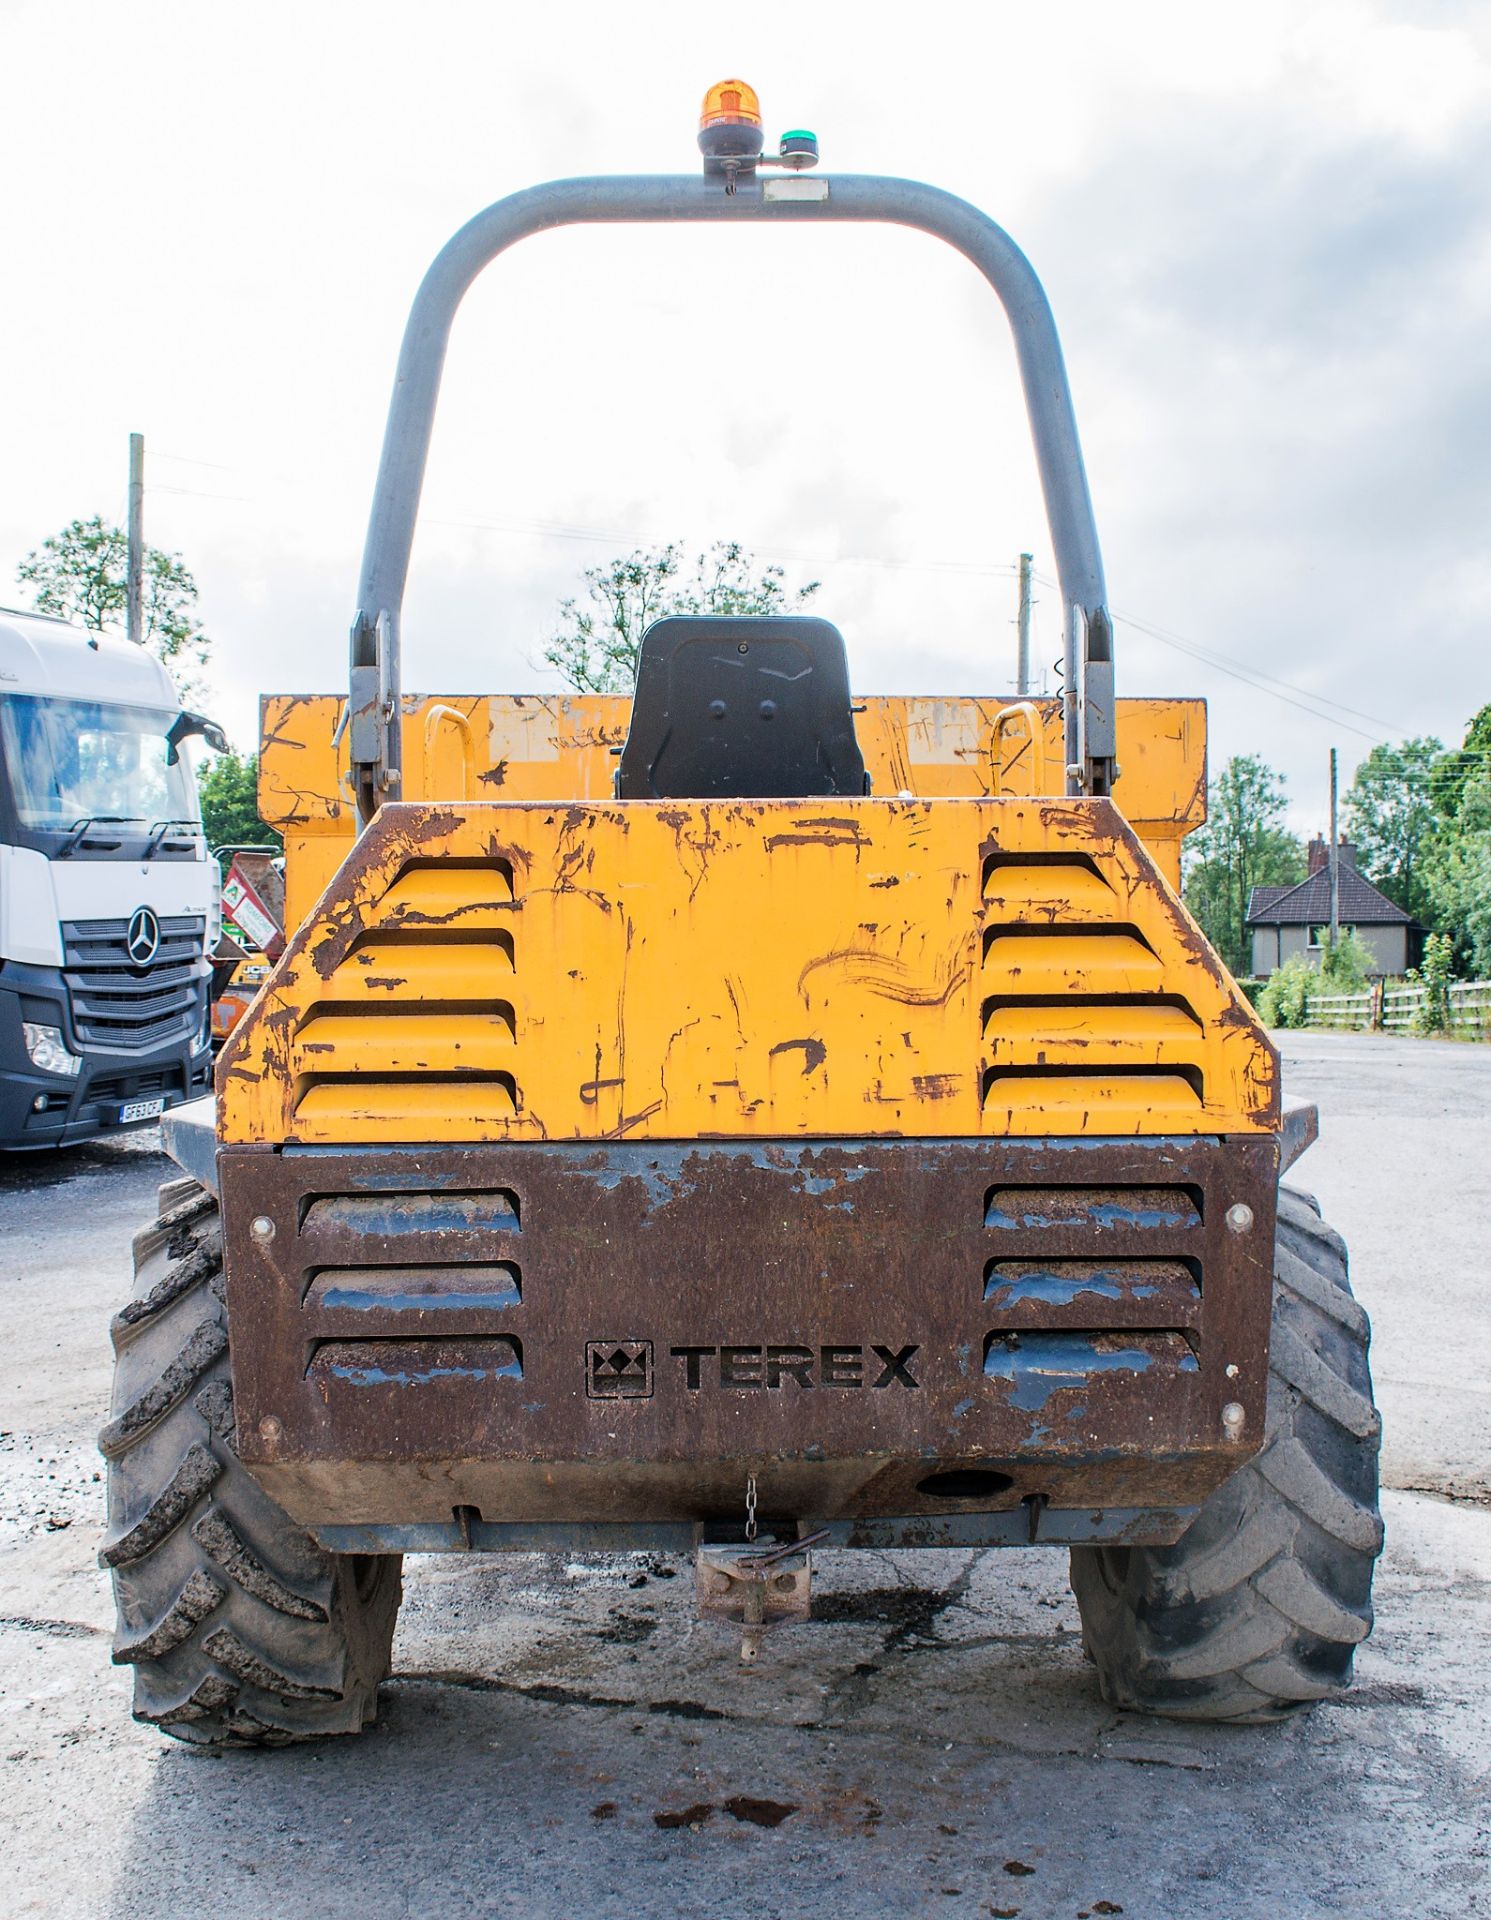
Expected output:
(565, 1739)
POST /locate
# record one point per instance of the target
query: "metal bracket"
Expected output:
(373, 745)
(757, 1586)
(1298, 1129)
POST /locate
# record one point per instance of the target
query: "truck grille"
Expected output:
(123, 1008)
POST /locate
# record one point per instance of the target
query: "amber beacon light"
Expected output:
(731, 103)
(730, 136)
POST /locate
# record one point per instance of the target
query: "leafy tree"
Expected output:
(595, 645)
(229, 789)
(1461, 765)
(1393, 821)
(81, 574)
(1243, 845)
(1459, 878)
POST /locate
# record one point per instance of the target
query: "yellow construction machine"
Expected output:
(733, 1119)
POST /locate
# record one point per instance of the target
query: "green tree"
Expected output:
(1459, 878)
(229, 788)
(1461, 765)
(1393, 822)
(81, 574)
(595, 645)
(1243, 845)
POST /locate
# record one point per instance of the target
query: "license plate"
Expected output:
(141, 1109)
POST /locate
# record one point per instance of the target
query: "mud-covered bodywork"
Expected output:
(688, 970)
(915, 1157)
(431, 1339)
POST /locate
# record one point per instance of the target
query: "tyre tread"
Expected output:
(1256, 1611)
(240, 1629)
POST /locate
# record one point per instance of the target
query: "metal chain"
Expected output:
(750, 1506)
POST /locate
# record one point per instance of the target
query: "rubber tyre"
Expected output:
(240, 1629)
(1256, 1612)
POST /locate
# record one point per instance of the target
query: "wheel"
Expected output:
(1257, 1609)
(240, 1629)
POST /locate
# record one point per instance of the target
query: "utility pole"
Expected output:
(1335, 862)
(1022, 657)
(134, 615)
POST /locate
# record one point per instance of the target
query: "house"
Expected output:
(1290, 920)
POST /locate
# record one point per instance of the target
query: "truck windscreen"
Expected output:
(68, 762)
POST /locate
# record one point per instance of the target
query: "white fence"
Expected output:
(1397, 1006)
(1348, 1010)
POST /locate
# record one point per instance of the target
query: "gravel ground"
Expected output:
(564, 1740)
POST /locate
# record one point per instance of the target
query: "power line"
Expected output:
(604, 536)
(617, 536)
(1256, 678)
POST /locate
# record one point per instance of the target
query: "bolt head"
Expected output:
(1233, 1418)
(1239, 1218)
(784, 1582)
(1232, 1369)
(262, 1227)
(271, 1429)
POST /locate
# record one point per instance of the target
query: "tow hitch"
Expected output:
(759, 1586)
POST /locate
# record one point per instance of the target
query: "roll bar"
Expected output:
(662, 198)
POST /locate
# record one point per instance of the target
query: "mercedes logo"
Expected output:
(142, 939)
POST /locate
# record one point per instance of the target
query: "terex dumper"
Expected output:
(731, 1119)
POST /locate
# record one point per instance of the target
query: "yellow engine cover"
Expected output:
(691, 969)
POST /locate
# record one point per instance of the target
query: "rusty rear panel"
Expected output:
(533, 1333)
(746, 969)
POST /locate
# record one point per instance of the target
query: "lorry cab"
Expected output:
(108, 895)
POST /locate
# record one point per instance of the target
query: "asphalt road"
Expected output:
(563, 1741)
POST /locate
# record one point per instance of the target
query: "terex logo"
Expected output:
(808, 1367)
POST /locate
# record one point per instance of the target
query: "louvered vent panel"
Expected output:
(411, 1287)
(1076, 1016)
(1093, 1264)
(417, 1022)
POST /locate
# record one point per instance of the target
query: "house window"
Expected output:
(1320, 936)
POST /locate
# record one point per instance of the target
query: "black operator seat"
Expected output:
(743, 708)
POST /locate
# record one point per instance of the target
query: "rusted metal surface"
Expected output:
(1056, 1526)
(1299, 1129)
(755, 1584)
(541, 1334)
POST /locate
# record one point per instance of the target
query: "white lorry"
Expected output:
(108, 895)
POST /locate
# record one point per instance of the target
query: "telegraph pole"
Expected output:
(1335, 860)
(1022, 657)
(134, 614)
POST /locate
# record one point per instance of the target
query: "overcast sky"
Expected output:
(1265, 230)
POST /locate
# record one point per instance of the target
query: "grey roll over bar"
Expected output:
(660, 198)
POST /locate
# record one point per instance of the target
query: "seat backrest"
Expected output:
(751, 708)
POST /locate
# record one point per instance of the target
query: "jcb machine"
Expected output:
(731, 1119)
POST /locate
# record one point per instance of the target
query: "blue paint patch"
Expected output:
(663, 1178)
(388, 1215)
(364, 1300)
(1038, 1365)
(963, 1408)
(372, 1376)
(816, 1183)
(1105, 1215)
(1057, 1289)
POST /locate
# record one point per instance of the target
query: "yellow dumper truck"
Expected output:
(732, 1119)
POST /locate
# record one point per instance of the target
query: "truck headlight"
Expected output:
(44, 1044)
